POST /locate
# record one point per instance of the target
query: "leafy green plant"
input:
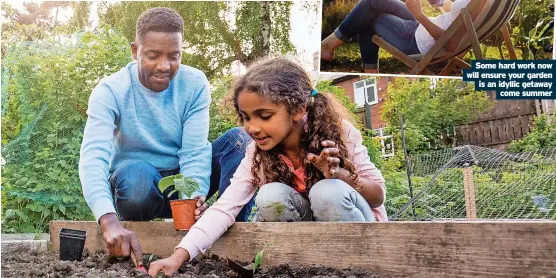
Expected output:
(531, 28)
(258, 260)
(184, 185)
(542, 135)
(45, 91)
(539, 38)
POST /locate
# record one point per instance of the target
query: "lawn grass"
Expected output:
(347, 58)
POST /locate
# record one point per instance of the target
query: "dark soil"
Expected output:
(25, 263)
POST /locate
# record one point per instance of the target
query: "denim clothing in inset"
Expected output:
(329, 200)
(389, 19)
(135, 190)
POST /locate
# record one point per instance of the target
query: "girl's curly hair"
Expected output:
(282, 81)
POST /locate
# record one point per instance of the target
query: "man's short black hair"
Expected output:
(159, 20)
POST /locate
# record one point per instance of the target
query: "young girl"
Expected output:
(306, 162)
(403, 25)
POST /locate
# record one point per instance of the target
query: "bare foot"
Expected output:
(326, 53)
(327, 47)
(371, 71)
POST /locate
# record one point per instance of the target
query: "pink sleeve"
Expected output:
(221, 215)
(363, 165)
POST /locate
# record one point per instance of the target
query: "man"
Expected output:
(147, 121)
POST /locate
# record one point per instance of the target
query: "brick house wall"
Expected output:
(346, 83)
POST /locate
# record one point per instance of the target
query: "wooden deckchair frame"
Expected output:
(465, 19)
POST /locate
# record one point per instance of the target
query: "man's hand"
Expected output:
(119, 241)
(169, 265)
(201, 207)
(414, 6)
(327, 162)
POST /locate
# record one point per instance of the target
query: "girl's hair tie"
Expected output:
(314, 92)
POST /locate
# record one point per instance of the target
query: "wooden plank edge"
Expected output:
(417, 249)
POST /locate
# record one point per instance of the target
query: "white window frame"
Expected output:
(359, 94)
(381, 134)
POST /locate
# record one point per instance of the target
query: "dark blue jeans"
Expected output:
(389, 19)
(135, 190)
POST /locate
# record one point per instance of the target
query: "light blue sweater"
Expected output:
(127, 121)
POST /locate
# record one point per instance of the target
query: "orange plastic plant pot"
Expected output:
(183, 212)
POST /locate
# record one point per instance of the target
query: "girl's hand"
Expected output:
(327, 162)
(169, 265)
(414, 6)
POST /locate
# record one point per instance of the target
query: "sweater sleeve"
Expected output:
(196, 152)
(96, 150)
(220, 216)
(361, 159)
(363, 165)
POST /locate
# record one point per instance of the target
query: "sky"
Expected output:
(304, 35)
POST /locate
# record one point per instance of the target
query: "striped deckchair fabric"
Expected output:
(493, 17)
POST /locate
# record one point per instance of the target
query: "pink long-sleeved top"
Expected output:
(221, 215)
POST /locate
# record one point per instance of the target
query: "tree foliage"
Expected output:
(216, 33)
(429, 110)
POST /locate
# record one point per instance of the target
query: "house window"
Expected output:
(387, 142)
(365, 91)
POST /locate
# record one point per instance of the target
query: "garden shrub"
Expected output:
(222, 115)
(533, 30)
(44, 111)
(542, 135)
(429, 110)
(334, 13)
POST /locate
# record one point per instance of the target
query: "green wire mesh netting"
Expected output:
(506, 185)
(45, 90)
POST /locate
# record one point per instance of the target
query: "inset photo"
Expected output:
(432, 37)
(433, 138)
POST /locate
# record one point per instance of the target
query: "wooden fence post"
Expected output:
(470, 208)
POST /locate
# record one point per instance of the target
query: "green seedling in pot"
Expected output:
(185, 185)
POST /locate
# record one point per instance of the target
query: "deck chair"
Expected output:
(494, 17)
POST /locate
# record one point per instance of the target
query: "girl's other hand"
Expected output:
(169, 265)
(415, 8)
(327, 162)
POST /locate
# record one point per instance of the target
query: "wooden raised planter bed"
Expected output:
(416, 249)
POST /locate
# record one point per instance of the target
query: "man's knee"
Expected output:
(135, 172)
(235, 139)
(135, 193)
